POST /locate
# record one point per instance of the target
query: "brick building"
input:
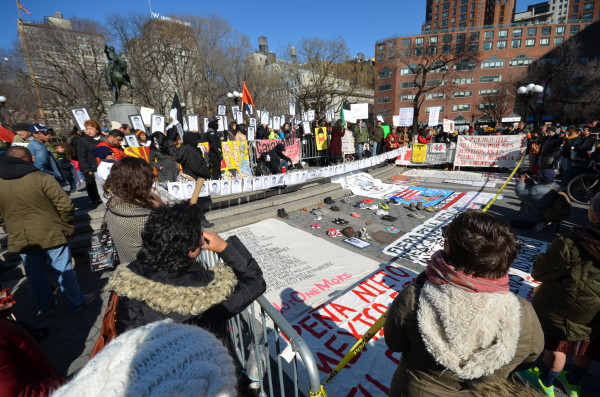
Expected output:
(503, 54)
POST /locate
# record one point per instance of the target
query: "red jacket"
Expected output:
(24, 368)
(117, 152)
(424, 139)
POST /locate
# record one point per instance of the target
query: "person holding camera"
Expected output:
(536, 195)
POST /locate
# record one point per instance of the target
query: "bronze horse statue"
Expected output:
(116, 73)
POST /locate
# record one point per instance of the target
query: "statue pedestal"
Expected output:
(121, 111)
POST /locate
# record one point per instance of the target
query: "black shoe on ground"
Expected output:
(282, 214)
(329, 200)
(206, 224)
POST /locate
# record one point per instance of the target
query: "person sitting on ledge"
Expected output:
(536, 196)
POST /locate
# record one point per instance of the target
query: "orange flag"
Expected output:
(247, 99)
(142, 152)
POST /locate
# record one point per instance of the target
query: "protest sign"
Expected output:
(348, 143)
(434, 116)
(419, 153)
(292, 147)
(448, 125)
(264, 117)
(311, 115)
(360, 110)
(321, 138)
(489, 150)
(292, 109)
(438, 148)
(406, 117)
(146, 114)
(396, 121)
(386, 130)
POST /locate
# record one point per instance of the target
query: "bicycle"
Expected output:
(583, 187)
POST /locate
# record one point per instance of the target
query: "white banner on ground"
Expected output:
(299, 279)
(363, 184)
(406, 117)
(360, 110)
(434, 116)
(489, 150)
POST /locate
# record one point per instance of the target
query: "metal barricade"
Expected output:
(256, 334)
(435, 156)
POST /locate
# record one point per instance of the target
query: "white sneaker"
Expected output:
(382, 212)
(373, 207)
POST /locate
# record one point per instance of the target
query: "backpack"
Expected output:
(560, 208)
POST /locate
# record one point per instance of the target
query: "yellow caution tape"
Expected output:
(505, 184)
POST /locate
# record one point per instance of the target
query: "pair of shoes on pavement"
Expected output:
(384, 206)
(389, 218)
(532, 376)
(87, 299)
(340, 221)
(355, 215)
(329, 201)
(316, 212)
(360, 205)
(363, 234)
(413, 207)
(382, 212)
(373, 207)
(416, 215)
(333, 232)
(282, 214)
(315, 225)
(335, 208)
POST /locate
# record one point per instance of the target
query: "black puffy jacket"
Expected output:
(206, 298)
(192, 161)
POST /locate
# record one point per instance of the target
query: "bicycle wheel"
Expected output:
(583, 187)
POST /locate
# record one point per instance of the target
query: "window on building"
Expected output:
(574, 29)
(575, 9)
(486, 106)
(459, 48)
(384, 99)
(406, 71)
(445, 14)
(463, 9)
(531, 32)
(384, 87)
(446, 49)
(517, 32)
(490, 79)
(488, 45)
(588, 16)
(474, 36)
(558, 40)
(384, 73)
(463, 80)
(492, 91)
(445, 22)
(433, 39)
(544, 41)
(435, 95)
(439, 67)
(408, 84)
(462, 18)
(446, 6)
(488, 35)
(530, 43)
(501, 44)
(492, 63)
(419, 52)
(461, 108)
(380, 47)
(435, 83)
(462, 94)
(473, 47)
(447, 38)
(391, 44)
(546, 30)
(503, 33)
(419, 41)
(465, 64)
(460, 38)
(560, 30)
(520, 60)
(405, 43)
(515, 44)
(408, 97)
(380, 58)
(588, 6)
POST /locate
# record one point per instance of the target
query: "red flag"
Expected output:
(142, 152)
(6, 135)
(22, 7)
(247, 99)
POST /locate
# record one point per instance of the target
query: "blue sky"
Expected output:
(361, 23)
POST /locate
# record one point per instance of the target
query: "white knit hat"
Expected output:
(158, 359)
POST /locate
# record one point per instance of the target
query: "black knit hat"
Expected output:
(22, 127)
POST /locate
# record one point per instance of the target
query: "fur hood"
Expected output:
(165, 298)
(470, 334)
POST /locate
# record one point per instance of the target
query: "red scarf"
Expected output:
(440, 273)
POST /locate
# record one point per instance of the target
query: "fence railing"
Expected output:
(256, 335)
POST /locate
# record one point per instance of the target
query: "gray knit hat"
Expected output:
(158, 359)
(595, 205)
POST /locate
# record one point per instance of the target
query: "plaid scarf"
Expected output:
(439, 272)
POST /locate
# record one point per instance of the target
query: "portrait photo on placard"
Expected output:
(192, 122)
(80, 115)
(236, 186)
(234, 110)
(269, 181)
(176, 189)
(225, 187)
(204, 189)
(222, 123)
(247, 187)
(306, 128)
(214, 187)
(252, 122)
(251, 133)
(131, 140)
(264, 117)
(221, 110)
(137, 122)
(158, 123)
(256, 183)
(188, 189)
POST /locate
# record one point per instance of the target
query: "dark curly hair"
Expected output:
(481, 244)
(130, 180)
(169, 234)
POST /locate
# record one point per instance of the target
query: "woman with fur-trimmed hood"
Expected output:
(166, 281)
(458, 326)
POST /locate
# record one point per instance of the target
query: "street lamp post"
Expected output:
(2, 104)
(527, 92)
(235, 96)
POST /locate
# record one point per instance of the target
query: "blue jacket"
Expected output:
(534, 199)
(44, 160)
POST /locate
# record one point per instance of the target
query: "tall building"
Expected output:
(497, 57)
(449, 14)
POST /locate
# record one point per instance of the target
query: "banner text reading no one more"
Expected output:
(489, 151)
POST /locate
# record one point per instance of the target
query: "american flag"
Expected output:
(22, 7)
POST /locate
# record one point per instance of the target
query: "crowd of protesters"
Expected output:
(463, 291)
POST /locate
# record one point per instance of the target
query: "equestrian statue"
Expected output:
(116, 73)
